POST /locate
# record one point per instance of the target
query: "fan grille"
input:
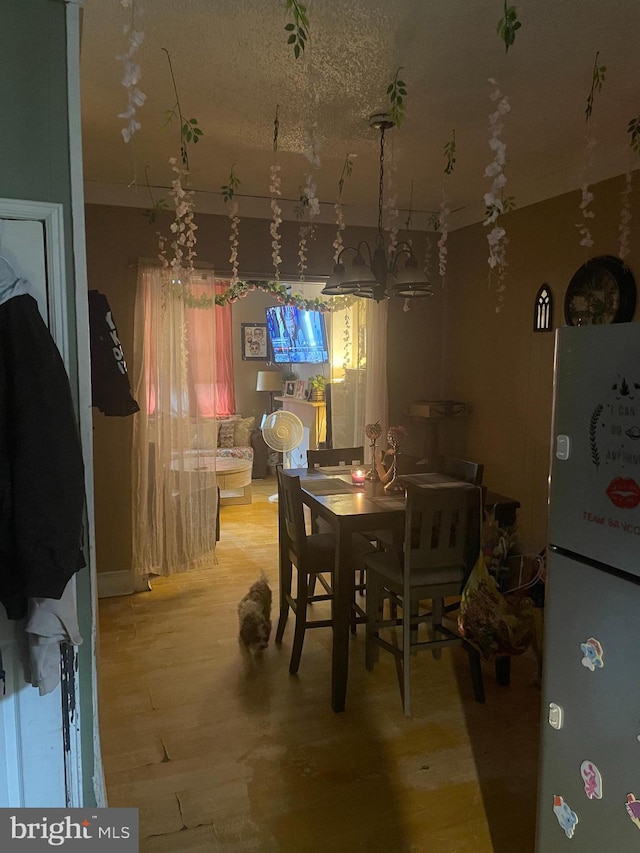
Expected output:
(282, 431)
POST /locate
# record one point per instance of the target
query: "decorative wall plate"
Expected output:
(602, 291)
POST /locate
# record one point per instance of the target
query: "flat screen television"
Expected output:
(297, 336)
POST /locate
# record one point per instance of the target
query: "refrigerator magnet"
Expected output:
(567, 818)
(592, 654)
(592, 780)
(633, 809)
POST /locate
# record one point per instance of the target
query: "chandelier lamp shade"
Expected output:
(375, 275)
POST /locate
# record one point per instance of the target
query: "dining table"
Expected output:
(350, 508)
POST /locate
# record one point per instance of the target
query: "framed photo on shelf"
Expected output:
(255, 344)
(290, 389)
(300, 390)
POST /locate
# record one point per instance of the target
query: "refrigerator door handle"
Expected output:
(563, 447)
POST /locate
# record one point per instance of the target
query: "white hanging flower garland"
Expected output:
(428, 257)
(234, 240)
(276, 221)
(494, 200)
(586, 197)
(183, 227)
(443, 219)
(131, 70)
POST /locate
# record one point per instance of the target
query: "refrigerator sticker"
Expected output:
(592, 780)
(566, 817)
(633, 809)
(593, 654)
(614, 433)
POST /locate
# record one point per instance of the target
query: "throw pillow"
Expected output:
(225, 433)
(242, 432)
(208, 433)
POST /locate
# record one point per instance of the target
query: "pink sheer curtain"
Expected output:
(208, 400)
(174, 495)
(226, 397)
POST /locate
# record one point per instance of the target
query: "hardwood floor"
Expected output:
(225, 757)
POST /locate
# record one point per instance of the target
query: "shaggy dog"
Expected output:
(254, 612)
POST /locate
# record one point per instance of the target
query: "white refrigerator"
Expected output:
(589, 782)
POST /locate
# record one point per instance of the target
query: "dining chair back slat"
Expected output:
(335, 456)
(437, 526)
(462, 469)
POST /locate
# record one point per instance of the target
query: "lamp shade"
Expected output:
(269, 380)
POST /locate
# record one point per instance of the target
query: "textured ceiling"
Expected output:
(232, 67)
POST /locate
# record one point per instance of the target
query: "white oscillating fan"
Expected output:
(282, 431)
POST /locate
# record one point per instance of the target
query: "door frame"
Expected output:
(51, 216)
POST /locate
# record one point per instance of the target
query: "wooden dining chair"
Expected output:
(335, 456)
(432, 566)
(313, 555)
(461, 469)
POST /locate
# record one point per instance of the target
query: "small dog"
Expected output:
(254, 612)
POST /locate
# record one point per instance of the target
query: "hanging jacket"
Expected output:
(110, 389)
(41, 466)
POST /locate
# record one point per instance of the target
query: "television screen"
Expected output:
(297, 336)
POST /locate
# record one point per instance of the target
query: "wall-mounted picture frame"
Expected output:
(290, 388)
(254, 342)
(300, 390)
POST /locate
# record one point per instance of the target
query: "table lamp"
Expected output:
(269, 380)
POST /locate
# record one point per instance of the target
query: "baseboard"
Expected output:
(111, 584)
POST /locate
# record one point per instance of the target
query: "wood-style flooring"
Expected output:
(225, 757)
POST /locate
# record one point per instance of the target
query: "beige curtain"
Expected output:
(376, 406)
(174, 500)
(359, 371)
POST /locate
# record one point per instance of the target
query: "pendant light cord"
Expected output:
(380, 238)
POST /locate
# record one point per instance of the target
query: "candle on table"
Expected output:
(357, 477)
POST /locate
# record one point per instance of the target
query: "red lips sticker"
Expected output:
(624, 494)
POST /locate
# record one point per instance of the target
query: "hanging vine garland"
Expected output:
(309, 203)
(275, 189)
(338, 242)
(496, 202)
(397, 91)
(390, 205)
(298, 28)
(132, 29)
(183, 226)
(586, 196)
(428, 251)
(508, 26)
(228, 191)
(624, 228)
(443, 216)
(275, 288)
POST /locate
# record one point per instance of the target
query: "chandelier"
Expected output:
(374, 275)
